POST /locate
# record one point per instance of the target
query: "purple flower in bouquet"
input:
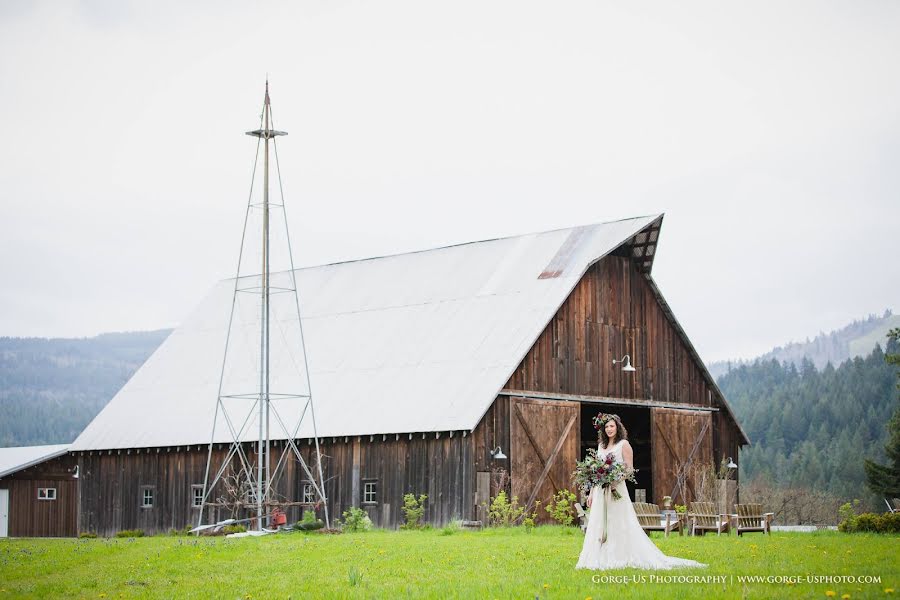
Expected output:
(604, 471)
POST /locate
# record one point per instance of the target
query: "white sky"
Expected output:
(768, 132)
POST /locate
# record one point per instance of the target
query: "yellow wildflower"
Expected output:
(830, 593)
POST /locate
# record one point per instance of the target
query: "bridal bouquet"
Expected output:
(600, 470)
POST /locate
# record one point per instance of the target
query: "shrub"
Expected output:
(505, 513)
(413, 508)
(229, 529)
(681, 509)
(87, 534)
(309, 521)
(180, 532)
(451, 527)
(130, 533)
(871, 522)
(356, 519)
(561, 507)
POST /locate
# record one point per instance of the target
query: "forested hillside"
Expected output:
(51, 388)
(856, 339)
(812, 428)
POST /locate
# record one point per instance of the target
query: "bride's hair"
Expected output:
(621, 432)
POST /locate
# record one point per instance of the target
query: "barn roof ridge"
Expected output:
(456, 245)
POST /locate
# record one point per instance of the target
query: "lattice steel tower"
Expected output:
(264, 385)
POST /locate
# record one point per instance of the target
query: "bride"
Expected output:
(614, 538)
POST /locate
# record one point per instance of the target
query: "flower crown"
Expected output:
(602, 419)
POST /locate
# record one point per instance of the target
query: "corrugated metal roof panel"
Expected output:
(406, 343)
(22, 457)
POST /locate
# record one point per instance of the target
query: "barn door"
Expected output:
(543, 449)
(4, 513)
(681, 443)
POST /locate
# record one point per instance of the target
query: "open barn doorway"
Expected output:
(637, 421)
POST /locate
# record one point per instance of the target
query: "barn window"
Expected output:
(197, 495)
(309, 495)
(370, 492)
(46, 493)
(147, 497)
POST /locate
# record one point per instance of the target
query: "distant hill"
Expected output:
(812, 428)
(857, 339)
(50, 389)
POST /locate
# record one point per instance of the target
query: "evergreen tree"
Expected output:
(885, 479)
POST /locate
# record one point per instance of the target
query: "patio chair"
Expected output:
(651, 519)
(582, 516)
(703, 517)
(750, 517)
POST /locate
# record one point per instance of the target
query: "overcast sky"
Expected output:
(769, 134)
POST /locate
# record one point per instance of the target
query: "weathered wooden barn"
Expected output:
(422, 364)
(38, 492)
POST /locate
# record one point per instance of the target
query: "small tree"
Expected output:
(413, 508)
(356, 519)
(505, 513)
(560, 507)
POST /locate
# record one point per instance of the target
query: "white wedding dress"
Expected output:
(626, 543)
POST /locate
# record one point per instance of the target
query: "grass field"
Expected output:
(495, 563)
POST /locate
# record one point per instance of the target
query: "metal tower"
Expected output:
(263, 381)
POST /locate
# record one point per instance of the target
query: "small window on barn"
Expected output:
(197, 495)
(46, 493)
(370, 492)
(147, 497)
(309, 495)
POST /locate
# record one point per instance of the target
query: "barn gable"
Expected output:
(414, 342)
(617, 309)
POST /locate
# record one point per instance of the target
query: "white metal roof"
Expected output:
(406, 343)
(22, 457)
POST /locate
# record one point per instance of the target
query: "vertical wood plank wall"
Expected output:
(30, 517)
(442, 468)
(612, 312)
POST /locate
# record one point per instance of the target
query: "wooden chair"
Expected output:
(650, 519)
(750, 517)
(582, 517)
(703, 517)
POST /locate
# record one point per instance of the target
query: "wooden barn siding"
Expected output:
(442, 468)
(30, 517)
(111, 489)
(612, 312)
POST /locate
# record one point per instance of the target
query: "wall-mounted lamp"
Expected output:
(731, 464)
(627, 360)
(75, 473)
(497, 453)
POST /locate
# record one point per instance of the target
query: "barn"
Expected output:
(38, 492)
(423, 365)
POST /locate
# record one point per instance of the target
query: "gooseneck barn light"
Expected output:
(627, 360)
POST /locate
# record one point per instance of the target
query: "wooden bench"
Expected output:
(703, 517)
(750, 517)
(651, 519)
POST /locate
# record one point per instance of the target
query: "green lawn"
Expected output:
(494, 563)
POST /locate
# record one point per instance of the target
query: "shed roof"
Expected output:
(21, 457)
(413, 342)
